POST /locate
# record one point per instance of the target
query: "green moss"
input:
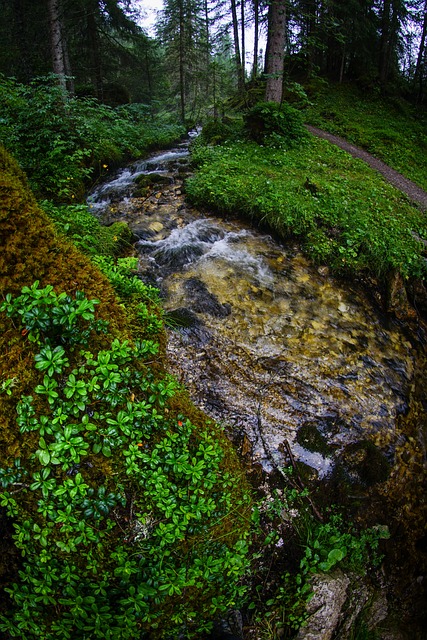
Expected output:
(82, 531)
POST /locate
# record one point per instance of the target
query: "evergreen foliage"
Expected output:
(61, 147)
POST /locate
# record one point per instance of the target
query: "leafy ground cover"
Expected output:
(64, 146)
(129, 507)
(124, 509)
(392, 130)
(345, 214)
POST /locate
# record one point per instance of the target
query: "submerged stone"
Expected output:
(363, 463)
(310, 438)
(203, 301)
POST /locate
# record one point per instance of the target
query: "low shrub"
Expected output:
(272, 124)
(62, 145)
(127, 505)
(85, 231)
(122, 509)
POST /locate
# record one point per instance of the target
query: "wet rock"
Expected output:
(149, 179)
(364, 610)
(397, 299)
(190, 327)
(156, 226)
(228, 628)
(364, 464)
(142, 232)
(181, 318)
(174, 258)
(203, 301)
(417, 292)
(325, 607)
(310, 438)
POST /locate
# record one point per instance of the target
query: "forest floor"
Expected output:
(412, 190)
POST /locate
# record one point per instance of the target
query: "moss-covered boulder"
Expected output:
(127, 505)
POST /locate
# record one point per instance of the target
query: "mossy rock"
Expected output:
(115, 239)
(150, 179)
(107, 569)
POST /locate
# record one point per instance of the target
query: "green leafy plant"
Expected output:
(276, 125)
(125, 517)
(81, 226)
(322, 545)
(62, 147)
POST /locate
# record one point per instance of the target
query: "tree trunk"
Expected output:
(276, 40)
(242, 18)
(419, 69)
(389, 24)
(208, 51)
(385, 29)
(239, 66)
(256, 39)
(56, 42)
(182, 59)
(93, 39)
(21, 39)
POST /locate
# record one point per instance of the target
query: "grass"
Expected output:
(344, 213)
(393, 130)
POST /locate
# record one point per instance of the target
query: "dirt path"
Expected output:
(413, 191)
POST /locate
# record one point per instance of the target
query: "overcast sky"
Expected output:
(149, 8)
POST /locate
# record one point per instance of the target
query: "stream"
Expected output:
(294, 363)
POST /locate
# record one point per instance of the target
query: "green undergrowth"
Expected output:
(391, 129)
(344, 213)
(78, 223)
(125, 509)
(302, 545)
(63, 144)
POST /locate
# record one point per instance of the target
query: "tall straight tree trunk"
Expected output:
(93, 38)
(68, 69)
(242, 19)
(21, 39)
(256, 39)
(239, 66)
(385, 42)
(208, 49)
(182, 59)
(56, 41)
(276, 40)
(419, 68)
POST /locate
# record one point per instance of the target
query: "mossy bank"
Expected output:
(124, 507)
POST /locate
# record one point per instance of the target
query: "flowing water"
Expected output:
(296, 365)
(267, 343)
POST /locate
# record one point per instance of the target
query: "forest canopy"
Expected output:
(203, 49)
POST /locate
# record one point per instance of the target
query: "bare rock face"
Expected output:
(398, 302)
(339, 602)
(325, 607)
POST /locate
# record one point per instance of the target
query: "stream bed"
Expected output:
(290, 360)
